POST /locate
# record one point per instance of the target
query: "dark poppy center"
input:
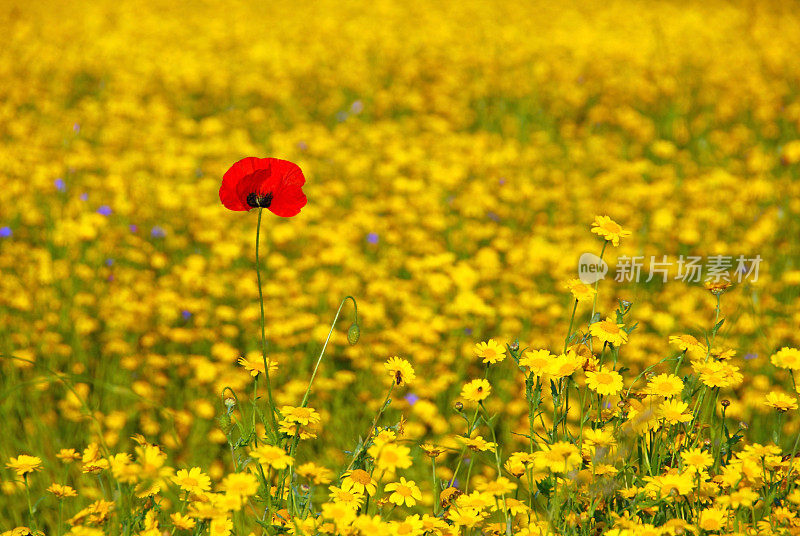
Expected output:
(259, 200)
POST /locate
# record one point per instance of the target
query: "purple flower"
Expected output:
(109, 262)
(412, 399)
(372, 238)
(157, 232)
(76, 127)
(61, 186)
(133, 228)
(105, 210)
(748, 357)
(84, 197)
(493, 216)
(357, 107)
(186, 314)
(5, 232)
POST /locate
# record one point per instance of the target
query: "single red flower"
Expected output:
(268, 183)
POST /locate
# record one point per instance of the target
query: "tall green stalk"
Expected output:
(272, 410)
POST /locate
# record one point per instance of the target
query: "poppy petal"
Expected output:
(280, 178)
(289, 202)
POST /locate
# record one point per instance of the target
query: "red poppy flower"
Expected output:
(268, 183)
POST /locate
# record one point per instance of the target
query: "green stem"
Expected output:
(324, 346)
(571, 321)
(272, 410)
(30, 507)
(594, 301)
(433, 479)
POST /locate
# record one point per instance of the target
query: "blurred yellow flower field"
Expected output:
(460, 160)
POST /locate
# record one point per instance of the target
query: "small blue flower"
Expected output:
(5, 232)
(109, 262)
(357, 107)
(84, 197)
(412, 399)
(372, 238)
(158, 232)
(186, 314)
(133, 228)
(105, 210)
(748, 357)
(76, 127)
(61, 186)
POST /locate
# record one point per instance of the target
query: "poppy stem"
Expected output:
(263, 328)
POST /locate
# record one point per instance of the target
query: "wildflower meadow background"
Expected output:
(459, 159)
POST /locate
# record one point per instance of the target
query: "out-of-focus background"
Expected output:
(456, 156)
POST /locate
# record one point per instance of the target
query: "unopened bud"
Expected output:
(514, 346)
(353, 334)
(459, 406)
(725, 403)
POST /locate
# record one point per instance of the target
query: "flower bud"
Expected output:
(353, 334)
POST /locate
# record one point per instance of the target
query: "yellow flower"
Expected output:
(674, 412)
(697, 458)
(498, 487)
(604, 382)
(490, 351)
(536, 361)
(389, 457)
(478, 443)
(609, 331)
(243, 484)
(432, 450)
(317, 473)
(192, 480)
(62, 492)
(410, 526)
(24, 464)
(666, 385)
(361, 481)
(581, 291)
(68, 455)
(781, 401)
(672, 483)
(787, 358)
(713, 519)
(467, 517)
(561, 456)
(564, 365)
(609, 229)
(256, 366)
(400, 370)
(718, 374)
(272, 456)
(476, 390)
(300, 415)
(347, 494)
(404, 492)
(182, 522)
(221, 526)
